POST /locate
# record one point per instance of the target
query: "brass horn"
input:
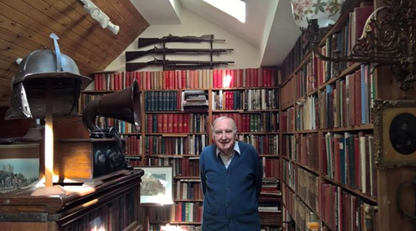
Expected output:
(123, 105)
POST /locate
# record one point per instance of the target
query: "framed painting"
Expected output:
(19, 166)
(395, 133)
(156, 186)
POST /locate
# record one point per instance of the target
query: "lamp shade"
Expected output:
(325, 11)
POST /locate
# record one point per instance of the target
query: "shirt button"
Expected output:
(228, 205)
(228, 189)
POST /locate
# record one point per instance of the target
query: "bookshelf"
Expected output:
(329, 176)
(174, 135)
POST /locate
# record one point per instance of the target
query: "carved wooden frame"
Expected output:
(384, 112)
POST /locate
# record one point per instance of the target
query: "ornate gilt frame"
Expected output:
(384, 112)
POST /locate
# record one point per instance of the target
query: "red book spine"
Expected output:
(159, 123)
(185, 123)
(175, 123)
(165, 123)
(170, 123)
(180, 123)
(149, 123)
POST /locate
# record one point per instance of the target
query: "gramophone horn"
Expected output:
(123, 105)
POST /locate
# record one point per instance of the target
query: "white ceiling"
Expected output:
(269, 24)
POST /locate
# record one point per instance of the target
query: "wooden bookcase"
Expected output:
(173, 135)
(329, 174)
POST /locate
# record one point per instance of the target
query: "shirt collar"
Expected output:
(236, 149)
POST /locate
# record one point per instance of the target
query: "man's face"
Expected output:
(224, 136)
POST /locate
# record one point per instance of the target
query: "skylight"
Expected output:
(235, 8)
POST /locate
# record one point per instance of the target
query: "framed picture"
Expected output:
(19, 166)
(156, 186)
(395, 133)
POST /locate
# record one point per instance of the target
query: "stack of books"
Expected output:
(195, 100)
(269, 202)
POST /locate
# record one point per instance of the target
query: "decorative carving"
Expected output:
(387, 40)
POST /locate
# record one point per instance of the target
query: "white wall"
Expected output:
(244, 55)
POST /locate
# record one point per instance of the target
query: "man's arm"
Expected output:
(259, 174)
(202, 173)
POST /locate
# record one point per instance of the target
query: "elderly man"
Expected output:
(231, 179)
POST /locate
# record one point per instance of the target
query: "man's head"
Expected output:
(224, 132)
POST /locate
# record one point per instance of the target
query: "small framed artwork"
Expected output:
(19, 166)
(156, 186)
(395, 133)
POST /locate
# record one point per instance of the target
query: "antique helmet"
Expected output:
(44, 72)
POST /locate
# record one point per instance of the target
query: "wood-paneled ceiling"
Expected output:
(25, 26)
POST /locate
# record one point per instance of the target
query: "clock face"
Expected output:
(403, 133)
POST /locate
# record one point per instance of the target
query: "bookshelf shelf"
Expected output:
(352, 190)
(352, 128)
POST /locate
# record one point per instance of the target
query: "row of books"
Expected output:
(187, 212)
(189, 145)
(187, 189)
(119, 125)
(348, 158)
(307, 188)
(256, 99)
(163, 101)
(270, 202)
(302, 148)
(341, 210)
(181, 166)
(349, 100)
(306, 114)
(264, 144)
(306, 150)
(343, 42)
(338, 210)
(271, 168)
(289, 174)
(296, 212)
(295, 56)
(289, 146)
(288, 120)
(288, 96)
(306, 79)
(345, 103)
(133, 145)
(176, 123)
(187, 79)
(254, 122)
(316, 72)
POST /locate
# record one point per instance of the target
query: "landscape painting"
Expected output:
(16, 173)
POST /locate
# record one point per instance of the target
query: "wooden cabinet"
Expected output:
(113, 204)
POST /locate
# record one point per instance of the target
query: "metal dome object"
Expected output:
(29, 85)
(43, 64)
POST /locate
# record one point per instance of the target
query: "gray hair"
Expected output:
(233, 124)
